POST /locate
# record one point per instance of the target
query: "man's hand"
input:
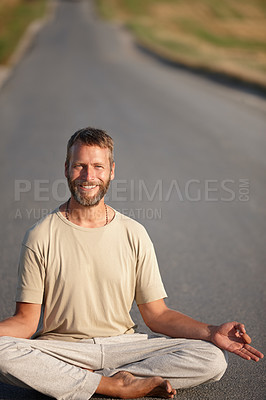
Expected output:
(228, 337)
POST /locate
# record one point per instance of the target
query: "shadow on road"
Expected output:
(217, 77)
(8, 392)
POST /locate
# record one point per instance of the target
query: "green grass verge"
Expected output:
(226, 41)
(14, 20)
(148, 37)
(227, 36)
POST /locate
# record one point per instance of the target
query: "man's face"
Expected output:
(89, 173)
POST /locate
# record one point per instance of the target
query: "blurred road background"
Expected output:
(190, 166)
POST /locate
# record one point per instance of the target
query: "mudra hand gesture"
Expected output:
(232, 337)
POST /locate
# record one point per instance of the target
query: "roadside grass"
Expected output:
(15, 16)
(227, 36)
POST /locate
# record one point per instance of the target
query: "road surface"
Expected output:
(190, 165)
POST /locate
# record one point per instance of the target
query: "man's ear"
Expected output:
(113, 171)
(66, 170)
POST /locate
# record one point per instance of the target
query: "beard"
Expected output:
(86, 199)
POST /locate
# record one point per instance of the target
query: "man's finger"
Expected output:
(253, 351)
(242, 354)
(249, 353)
(246, 338)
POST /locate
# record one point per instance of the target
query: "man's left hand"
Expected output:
(228, 337)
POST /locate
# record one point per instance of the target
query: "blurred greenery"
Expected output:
(15, 16)
(227, 36)
(220, 40)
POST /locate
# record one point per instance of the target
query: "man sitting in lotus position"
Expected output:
(85, 264)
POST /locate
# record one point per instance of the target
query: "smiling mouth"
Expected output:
(87, 187)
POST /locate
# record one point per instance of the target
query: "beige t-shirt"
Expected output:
(87, 278)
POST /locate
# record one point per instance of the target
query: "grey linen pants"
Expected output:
(56, 368)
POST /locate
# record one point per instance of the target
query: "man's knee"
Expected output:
(4, 357)
(215, 364)
(8, 354)
(11, 350)
(5, 346)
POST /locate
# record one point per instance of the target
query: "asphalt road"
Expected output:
(190, 157)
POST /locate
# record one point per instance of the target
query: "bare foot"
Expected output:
(127, 386)
(87, 369)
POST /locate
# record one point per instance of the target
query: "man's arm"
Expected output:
(159, 318)
(24, 323)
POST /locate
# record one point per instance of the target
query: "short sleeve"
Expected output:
(31, 276)
(149, 285)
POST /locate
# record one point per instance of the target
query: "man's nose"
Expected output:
(88, 173)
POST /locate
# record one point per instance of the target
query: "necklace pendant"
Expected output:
(67, 212)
